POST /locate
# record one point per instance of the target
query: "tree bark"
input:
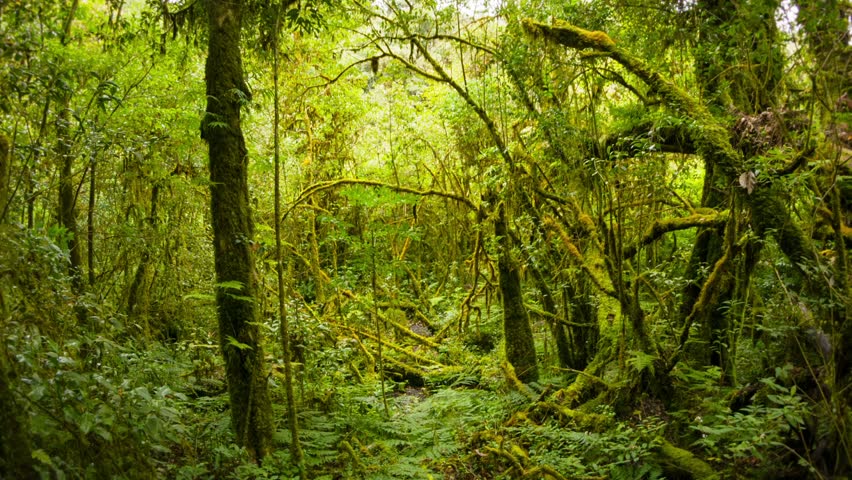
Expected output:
(520, 347)
(251, 410)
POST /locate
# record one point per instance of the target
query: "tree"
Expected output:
(239, 336)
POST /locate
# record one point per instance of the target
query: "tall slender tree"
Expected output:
(286, 350)
(251, 410)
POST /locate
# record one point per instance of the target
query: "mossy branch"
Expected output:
(350, 452)
(393, 346)
(517, 469)
(342, 182)
(710, 138)
(595, 270)
(581, 420)
(685, 461)
(514, 382)
(407, 332)
(661, 227)
(412, 307)
(406, 368)
(584, 384)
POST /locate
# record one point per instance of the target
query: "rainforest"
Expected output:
(425, 239)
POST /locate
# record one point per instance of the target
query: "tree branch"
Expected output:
(327, 185)
(661, 227)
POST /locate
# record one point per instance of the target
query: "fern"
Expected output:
(640, 361)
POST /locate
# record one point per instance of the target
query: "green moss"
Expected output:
(685, 461)
(578, 419)
(570, 35)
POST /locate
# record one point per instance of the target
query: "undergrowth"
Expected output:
(161, 411)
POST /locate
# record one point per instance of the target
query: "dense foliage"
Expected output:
(418, 239)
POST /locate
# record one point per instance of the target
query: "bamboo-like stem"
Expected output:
(292, 419)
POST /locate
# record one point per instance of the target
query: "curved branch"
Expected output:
(661, 227)
(327, 185)
(454, 38)
(346, 69)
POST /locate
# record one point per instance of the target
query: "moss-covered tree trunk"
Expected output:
(139, 294)
(583, 331)
(520, 347)
(251, 411)
(557, 329)
(727, 84)
(67, 209)
(67, 197)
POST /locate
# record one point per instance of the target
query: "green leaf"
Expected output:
(236, 343)
(42, 457)
(142, 392)
(103, 433)
(87, 422)
(230, 285)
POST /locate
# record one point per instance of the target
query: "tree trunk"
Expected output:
(584, 331)
(563, 346)
(520, 347)
(139, 295)
(90, 227)
(67, 197)
(251, 410)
